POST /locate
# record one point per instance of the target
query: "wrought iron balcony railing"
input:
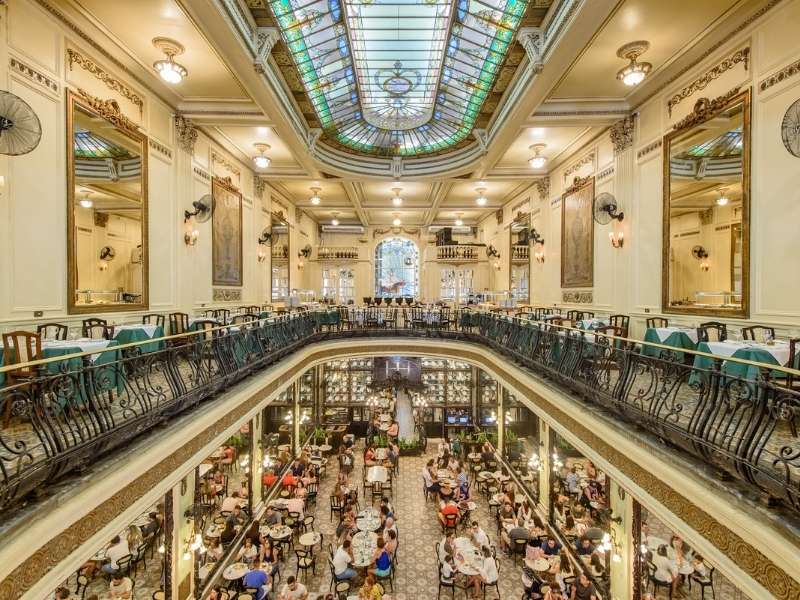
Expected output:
(72, 410)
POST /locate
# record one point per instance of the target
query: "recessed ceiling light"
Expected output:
(261, 161)
(537, 161)
(635, 72)
(170, 71)
(334, 220)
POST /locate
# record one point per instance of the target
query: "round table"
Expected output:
(538, 564)
(364, 545)
(325, 448)
(279, 532)
(486, 475)
(311, 538)
(214, 531)
(467, 557)
(235, 571)
(470, 506)
(368, 520)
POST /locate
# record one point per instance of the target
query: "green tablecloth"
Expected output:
(129, 336)
(732, 368)
(105, 377)
(678, 340)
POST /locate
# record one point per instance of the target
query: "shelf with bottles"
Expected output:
(439, 364)
(487, 389)
(337, 253)
(307, 388)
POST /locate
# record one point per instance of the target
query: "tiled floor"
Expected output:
(417, 575)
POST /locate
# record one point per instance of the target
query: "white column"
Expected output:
(544, 473)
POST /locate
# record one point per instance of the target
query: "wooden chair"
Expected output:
(221, 314)
(178, 324)
(574, 315)
(758, 333)
(20, 347)
(305, 561)
(712, 331)
(657, 322)
(494, 584)
(794, 362)
(97, 329)
(244, 319)
(390, 318)
(621, 321)
(153, 319)
(703, 582)
(52, 331)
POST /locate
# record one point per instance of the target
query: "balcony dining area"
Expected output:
(399, 300)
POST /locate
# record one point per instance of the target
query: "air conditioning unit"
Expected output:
(358, 229)
(463, 230)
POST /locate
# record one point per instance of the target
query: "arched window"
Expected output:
(396, 268)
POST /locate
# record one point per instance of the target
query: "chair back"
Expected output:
(206, 326)
(21, 347)
(178, 323)
(52, 331)
(221, 314)
(656, 322)
(712, 331)
(621, 321)
(153, 319)
(758, 333)
(244, 319)
(97, 329)
(574, 315)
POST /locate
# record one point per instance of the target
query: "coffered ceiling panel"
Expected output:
(331, 193)
(242, 137)
(385, 217)
(669, 27)
(462, 194)
(380, 194)
(134, 24)
(557, 140)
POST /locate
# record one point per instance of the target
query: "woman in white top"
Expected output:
(487, 572)
(666, 569)
(248, 552)
(525, 513)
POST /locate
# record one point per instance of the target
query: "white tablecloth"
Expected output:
(148, 329)
(664, 332)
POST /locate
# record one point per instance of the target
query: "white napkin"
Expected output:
(84, 345)
(664, 332)
(148, 329)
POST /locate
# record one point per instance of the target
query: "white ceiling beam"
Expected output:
(355, 193)
(438, 194)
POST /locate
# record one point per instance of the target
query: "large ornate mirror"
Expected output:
(107, 207)
(707, 208)
(280, 258)
(519, 253)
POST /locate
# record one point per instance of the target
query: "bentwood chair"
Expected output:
(97, 329)
(656, 322)
(758, 333)
(153, 319)
(305, 561)
(794, 363)
(712, 331)
(621, 321)
(222, 315)
(52, 331)
(573, 315)
(494, 584)
(704, 582)
(20, 347)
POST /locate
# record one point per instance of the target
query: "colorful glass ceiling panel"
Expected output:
(398, 77)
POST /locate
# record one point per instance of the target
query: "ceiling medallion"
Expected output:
(635, 72)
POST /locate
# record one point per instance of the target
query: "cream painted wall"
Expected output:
(33, 238)
(628, 280)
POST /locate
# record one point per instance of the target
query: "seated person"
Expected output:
(342, 560)
(584, 546)
(297, 468)
(381, 560)
(120, 587)
(480, 535)
(270, 555)
(551, 547)
(506, 515)
(248, 552)
(394, 430)
(430, 479)
(507, 536)
(289, 480)
(666, 570)
(370, 590)
(389, 525)
(293, 590)
(583, 589)
(389, 509)
(116, 550)
(446, 546)
(269, 478)
(236, 517)
(272, 517)
(487, 572)
(369, 456)
(447, 508)
(295, 505)
(258, 579)
(227, 535)
(213, 550)
(391, 540)
(230, 502)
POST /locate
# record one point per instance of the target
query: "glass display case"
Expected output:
(346, 387)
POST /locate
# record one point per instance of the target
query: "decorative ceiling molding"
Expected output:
(87, 64)
(201, 173)
(109, 110)
(543, 187)
(186, 132)
(30, 73)
(582, 162)
(703, 108)
(740, 56)
(606, 173)
(782, 75)
(532, 39)
(621, 134)
(645, 150)
(713, 48)
(159, 147)
(219, 159)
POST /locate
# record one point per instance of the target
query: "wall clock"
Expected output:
(790, 129)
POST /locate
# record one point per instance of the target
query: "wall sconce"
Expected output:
(539, 255)
(103, 265)
(261, 255)
(190, 236)
(496, 266)
(617, 239)
(300, 265)
(705, 266)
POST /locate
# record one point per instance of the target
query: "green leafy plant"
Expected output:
(381, 441)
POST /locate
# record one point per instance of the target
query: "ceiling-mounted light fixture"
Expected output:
(723, 198)
(481, 200)
(459, 220)
(634, 72)
(86, 202)
(334, 220)
(396, 189)
(315, 199)
(537, 161)
(396, 222)
(261, 161)
(170, 71)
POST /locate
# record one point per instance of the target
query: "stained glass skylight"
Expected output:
(398, 77)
